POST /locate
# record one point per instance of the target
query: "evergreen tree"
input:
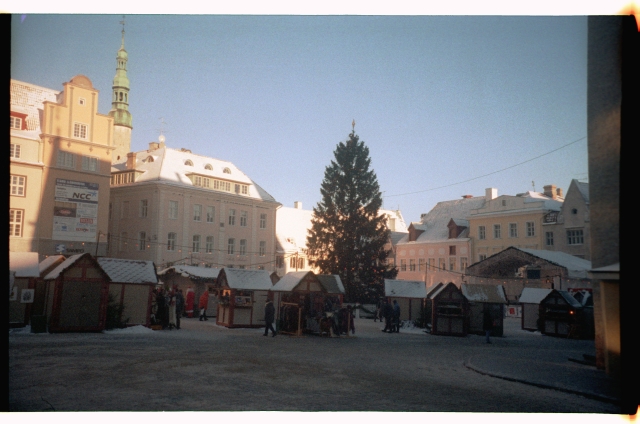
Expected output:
(347, 237)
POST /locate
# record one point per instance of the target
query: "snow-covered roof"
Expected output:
(129, 271)
(173, 166)
(192, 271)
(583, 188)
(395, 220)
(248, 279)
(49, 261)
(435, 292)
(331, 283)
(533, 295)
(549, 203)
(434, 224)
(24, 264)
(29, 98)
(405, 288)
(433, 288)
(484, 293)
(292, 225)
(576, 267)
(64, 265)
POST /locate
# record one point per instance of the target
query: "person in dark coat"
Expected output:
(387, 313)
(269, 317)
(160, 313)
(396, 317)
(179, 307)
(487, 324)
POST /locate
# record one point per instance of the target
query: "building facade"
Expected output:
(60, 163)
(173, 206)
(505, 221)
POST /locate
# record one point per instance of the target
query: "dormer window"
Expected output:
(208, 167)
(149, 159)
(227, 171)
(15, 123)
(188, 163)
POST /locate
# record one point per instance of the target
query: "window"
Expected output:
(171, 241)
(482, 257)
(575, 237)
(279, 261)
(452, 250)
(243, 218)
(210, 213)
(243, 247)
(403, 264)
(432, 264)
(531, 229)
(144, 207)
(15, 123)
(574, 211)
(142, 241)
(188, 162)
(197, 180)
(421, 264)
(549, 238)
(124, 242)
(14, 151)
(16, 218)
(442, 264)
(481, 232)
(17, 185)
(124, 212)
(195, 247)
(209, 244)
(496, 231)
(412, 264)
(452, 264)
(513, 230)
(206, 182)
(89, 163)
(79, 130)
(197, 212)
(463, 264)
(263, 248)
(66, 160)
(231, 246)
(301, 263)
(504, 202)
(208, 167)
(173, 209)
(82, 101)
(293, 262)
(227, 171)
(232, 217)
(263, 221)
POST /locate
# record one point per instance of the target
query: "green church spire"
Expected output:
(120, 101)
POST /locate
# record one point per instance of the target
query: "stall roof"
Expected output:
(433, 288)
(405, 288)
(576, 267)
(129, 271)
(64, 265)
(48, 262)
(192, 271)
(24, 264)
(482, 293)
(248, 279)
(568, 298)
(435, 292)
(533, 295)
(331, 282)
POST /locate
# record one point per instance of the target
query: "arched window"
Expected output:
(120, 96)
(227, 171)
(149, 159)
(188, 162)
(208, 167)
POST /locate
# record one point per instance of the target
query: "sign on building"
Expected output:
(77, 220)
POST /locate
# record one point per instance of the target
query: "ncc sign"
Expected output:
(78, 222)
(76, 191)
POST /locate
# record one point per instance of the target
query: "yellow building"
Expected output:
(60, 179)
(505, 221)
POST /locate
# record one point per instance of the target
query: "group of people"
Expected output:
(391, 315)
(170, 307)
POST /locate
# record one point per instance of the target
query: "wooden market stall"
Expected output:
(131, 287)
(243, 296)
(78, 292)
(449, 311)
(410, 295)
(561, 315)
(196, 279)
(23, 273)
(530, 300)
(483, 300)
(428, 305)
(309, 303)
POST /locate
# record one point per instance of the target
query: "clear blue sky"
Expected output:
(437, 99)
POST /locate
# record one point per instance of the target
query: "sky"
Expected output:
(444, 103)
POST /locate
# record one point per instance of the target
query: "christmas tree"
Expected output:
(347, 235)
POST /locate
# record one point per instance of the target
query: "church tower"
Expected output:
(120, 106)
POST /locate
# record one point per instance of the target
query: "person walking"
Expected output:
(202, 304)
(396, 317)
(269, 317)
(487, 324)
(387, 313)
(179, 307)
(172, 309)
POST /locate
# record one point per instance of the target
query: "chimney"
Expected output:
(467, 196)
(297, 205)
(550, 191)
(153, 146)
(491, 193)
(559, 192)
(131, 160)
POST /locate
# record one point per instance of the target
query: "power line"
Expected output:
(490, 173)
